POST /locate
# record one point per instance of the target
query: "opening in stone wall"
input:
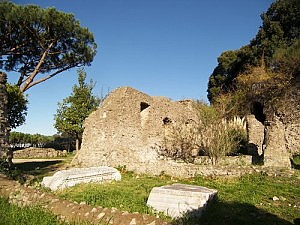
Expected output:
(144, 106)
(258, 111)
(167, 121)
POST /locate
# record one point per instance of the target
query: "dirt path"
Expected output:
(71, 211)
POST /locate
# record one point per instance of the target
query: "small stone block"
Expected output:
(176, 200)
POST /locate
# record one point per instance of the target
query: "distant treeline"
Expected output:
(19, 140)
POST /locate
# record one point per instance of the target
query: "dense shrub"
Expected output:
(210, 135)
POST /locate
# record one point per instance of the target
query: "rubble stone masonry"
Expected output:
(129, 128)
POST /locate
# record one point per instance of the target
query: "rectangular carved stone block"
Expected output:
(177, 200)
(68, 178)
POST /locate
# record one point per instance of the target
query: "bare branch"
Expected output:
(46, 77)
(36, 70)
(15, 48)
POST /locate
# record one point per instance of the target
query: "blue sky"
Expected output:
(160, 47)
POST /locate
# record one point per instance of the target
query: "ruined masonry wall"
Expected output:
(255, 132)
(275, 153)
(31, 153)
(127, 129)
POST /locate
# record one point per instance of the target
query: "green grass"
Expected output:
(296, 162)
(11, 214)
(130, 194)
(14, 215)
(246, 200)
(296, 159)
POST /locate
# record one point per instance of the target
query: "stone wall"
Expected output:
(130, 126)
(3, 116)
(292, 137)
(289, 114)
(277, 138)
(275, 153)
(32, 153)
(255, 133)
(128, 129)
(273, 143)
(242, 160)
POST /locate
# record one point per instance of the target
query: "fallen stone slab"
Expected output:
(178, 200)
(68, 178)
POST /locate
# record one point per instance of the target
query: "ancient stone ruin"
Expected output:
(275, 137)
(130, 126)
(128, 129)
(39, 153)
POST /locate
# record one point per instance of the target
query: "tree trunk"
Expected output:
(78, 144)
(4, 126)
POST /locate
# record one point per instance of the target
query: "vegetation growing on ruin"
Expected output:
(264, 69)
(210, 134)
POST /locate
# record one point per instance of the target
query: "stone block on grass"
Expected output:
(178, 200)
(68, 178)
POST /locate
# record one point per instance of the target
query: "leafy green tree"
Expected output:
(14, 138)
(72, 112)
(280, 31)
(41, 43)
(16, 107)
(230, 64)
(287, 60)
(19, 139)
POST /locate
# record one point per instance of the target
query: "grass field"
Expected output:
(14, 215)
(247, 200)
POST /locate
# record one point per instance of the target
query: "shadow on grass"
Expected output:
(40, 168)
(234, 213)
(295, 162)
